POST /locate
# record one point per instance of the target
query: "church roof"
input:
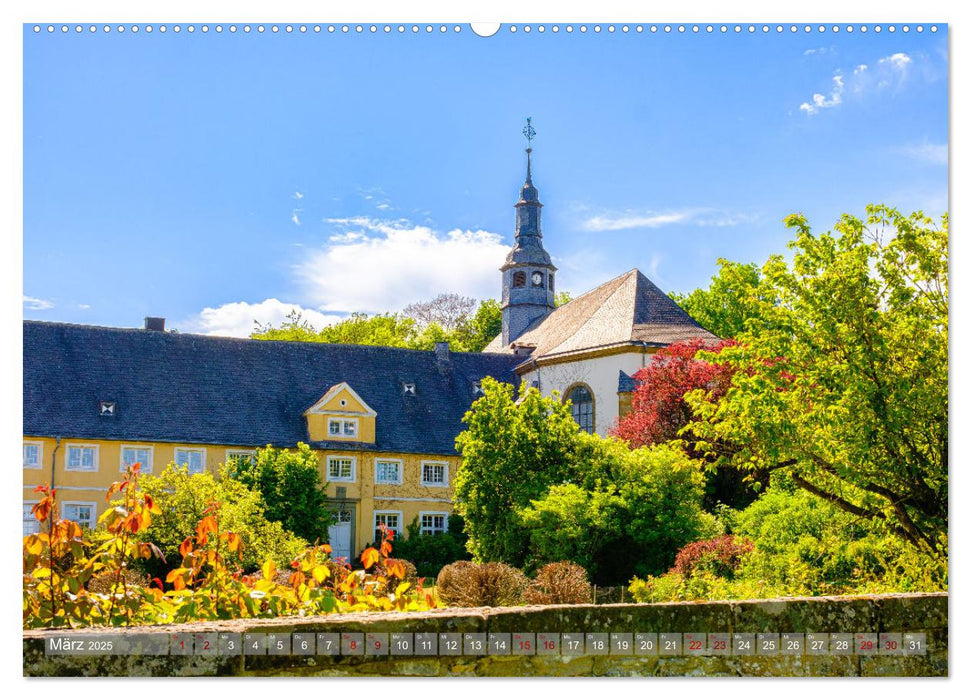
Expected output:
(629, 309)
(195, 389)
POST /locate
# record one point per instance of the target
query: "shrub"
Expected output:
(465, 584)
(63, 572)
(431, 552)
(395, 578)
(105, 581)
(560, 583)
(183, 499)
(720, 556)
(289, 482)
(636, 509)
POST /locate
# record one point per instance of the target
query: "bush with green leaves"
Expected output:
(536, 489)
(184, 500)
(629, 515)
(803, 545)
(290, 484)
(431, 552)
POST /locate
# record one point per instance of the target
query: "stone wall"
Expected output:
(925, 613)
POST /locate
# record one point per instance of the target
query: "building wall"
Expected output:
(600, 374)
(408, 499)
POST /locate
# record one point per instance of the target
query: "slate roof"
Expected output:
(627, 309)
(175, 387)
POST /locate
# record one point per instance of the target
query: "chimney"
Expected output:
(443, 357)
(154, 323)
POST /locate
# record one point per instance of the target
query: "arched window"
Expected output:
(551, 282)
(519, 278)
(581, 400)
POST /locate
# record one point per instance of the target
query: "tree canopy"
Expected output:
(289, 481)
(446, 318)
(534, 489)
(842, 380)
(732, 298)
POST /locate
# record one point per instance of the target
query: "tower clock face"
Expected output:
(537, 279)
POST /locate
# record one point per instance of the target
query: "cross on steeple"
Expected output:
(529, 132)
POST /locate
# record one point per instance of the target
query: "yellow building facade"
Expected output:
(364, 488)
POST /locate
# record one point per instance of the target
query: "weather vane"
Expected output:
(529, 132)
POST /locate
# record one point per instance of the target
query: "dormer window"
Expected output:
(477, 389)
(408, 388)
(537, 279)
(106, 409)
(519, 278)
(342, 427)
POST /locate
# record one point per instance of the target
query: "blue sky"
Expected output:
(215, 179)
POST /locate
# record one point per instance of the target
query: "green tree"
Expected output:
(512, 451)
(290, 484)
(478, 330)
(843, 374)
(732, 298)
(561, 298)
(441, 322)
(184, 499)
(630, 513)
(391, 330)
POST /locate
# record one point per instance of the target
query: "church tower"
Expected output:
(527, 275)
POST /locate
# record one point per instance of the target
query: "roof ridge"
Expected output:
(233, 339)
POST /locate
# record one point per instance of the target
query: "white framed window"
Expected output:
(84, 514)
(31, 524)
(192, 457)
(33, 454)
(433, 523)
(137, 454)
(434, 474)
(391, 519)
(388, 471)
(81, 458)
(342, 427)
(340, 468)
(243, 455)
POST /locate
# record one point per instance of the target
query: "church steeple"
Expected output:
(527, 275)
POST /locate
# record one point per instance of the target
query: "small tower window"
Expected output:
(537, 279)
(551, 281)
(581, 400)
(519, 278)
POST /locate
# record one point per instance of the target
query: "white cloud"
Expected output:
(928, 153)
(899, 61)
(35, 304)
(821, 101)
(298, 195)
(376, 265)
(295, 216)
(238, 319)
(889, 71)
(84, 306)
(652, 219)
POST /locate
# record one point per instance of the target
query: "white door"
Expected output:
(340, 536)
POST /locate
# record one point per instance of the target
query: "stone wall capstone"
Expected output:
(925, 613)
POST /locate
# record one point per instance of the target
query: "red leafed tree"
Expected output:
(658, 408)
